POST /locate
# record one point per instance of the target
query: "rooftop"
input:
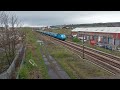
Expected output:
(99, 29)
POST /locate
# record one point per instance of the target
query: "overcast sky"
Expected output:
(43, 18)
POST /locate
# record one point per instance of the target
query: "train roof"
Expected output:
(98, 29)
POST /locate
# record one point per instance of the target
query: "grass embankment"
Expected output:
(73, 65)
(28, 71)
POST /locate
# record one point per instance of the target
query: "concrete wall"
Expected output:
(11, 70)
(17, 77)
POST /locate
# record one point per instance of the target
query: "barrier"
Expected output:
(11, 71)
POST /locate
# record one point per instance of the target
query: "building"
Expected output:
(74, 32)
(106, 36)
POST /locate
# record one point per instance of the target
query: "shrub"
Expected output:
(75, 39)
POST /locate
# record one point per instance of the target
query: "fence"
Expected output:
(11, 71)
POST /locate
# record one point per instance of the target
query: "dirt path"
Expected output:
(54, 69)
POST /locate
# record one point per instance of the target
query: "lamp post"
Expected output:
(83, 45)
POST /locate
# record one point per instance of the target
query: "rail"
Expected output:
(108, 61)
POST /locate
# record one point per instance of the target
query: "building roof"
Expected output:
(98, 29)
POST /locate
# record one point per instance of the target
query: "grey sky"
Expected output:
(41, 18)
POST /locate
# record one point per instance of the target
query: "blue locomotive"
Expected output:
(55, 35)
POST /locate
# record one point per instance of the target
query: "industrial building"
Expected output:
(104, 36)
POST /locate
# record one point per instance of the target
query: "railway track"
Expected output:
(98, 52)
(107, 61)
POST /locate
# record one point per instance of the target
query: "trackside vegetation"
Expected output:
(33, 66)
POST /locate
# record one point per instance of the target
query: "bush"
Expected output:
(75, 39)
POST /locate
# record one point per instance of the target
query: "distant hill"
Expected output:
(111, 24)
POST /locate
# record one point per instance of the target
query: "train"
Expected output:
(55, 35)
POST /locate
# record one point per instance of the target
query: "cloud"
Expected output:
(42, 18)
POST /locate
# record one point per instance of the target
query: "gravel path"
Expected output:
(54, 69)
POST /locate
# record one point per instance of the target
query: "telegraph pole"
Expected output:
(83, 45)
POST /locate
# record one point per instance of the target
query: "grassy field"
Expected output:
(73, 65)
(29, 71)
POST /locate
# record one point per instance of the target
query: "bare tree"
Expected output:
(13, 21)
(5, 35)
(10, 34)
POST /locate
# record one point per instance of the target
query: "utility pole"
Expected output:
(83, 45)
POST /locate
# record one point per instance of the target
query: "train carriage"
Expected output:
(55, 35)
(61, 36)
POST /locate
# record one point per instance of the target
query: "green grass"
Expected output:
(75, 39)
(23, 73)
(73, 65)
(33, 52)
